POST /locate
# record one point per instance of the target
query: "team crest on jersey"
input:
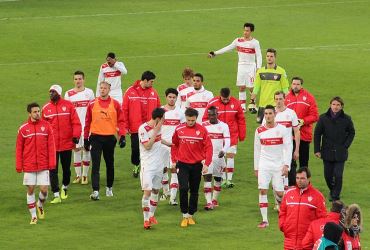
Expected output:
(64, 108)
(232, 106)
(49, 110)
(304, 98)
(197, 132)
(276, 77)
(152, 93)
(42, 128)
(309, 198)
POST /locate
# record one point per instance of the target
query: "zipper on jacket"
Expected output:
(34, 127)
(56, 109)
(299, 208)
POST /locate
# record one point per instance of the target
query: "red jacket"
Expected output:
(316, 229)
(231, 114)
(297, 210)
(64, 120)
(104, 104)
(348, 241)
(305, 106)
(191, 144)
(35, 147)
(138, 104)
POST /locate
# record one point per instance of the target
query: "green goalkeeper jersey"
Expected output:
(267, 82)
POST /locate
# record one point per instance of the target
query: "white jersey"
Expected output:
(198, 99)
(150, 160)
(288, 118)
(113, 76)
(219, 134)
(249, 52)
(183, 90)
(272, 148)
(80, 100)
(172, 118)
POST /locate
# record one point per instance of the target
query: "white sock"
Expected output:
(286, 184)
(208, 191)
(31, 203)
(230, 168)
(56, 194)
(186, 215)
(216, 190)
(153, 203)
(224, 177)
(146, 209)
(78, 170)
(42, 199)
(243, 98)
(85, 162)
(64, 187)
(263, 206)
(165, 185)
(77, 157)
(85, 170)
(174, 185)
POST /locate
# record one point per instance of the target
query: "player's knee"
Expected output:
(165, 170)
(230, 155)
(173, 170)
(263, 191)
(242, 88)
(218, 179)
(280, 194)
(155, 191)
(184, 187)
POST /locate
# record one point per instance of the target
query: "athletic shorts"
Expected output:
(81, 156)
(216, 167)
(166, 156)
(266, 176)
(150, 179)
(246, 75)
(40, 178)
(232, 149)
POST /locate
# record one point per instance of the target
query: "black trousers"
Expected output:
(135, 151)
(189, 176)
(333, 172)
(260, 114)
(102, 144)
(65, 160)
(304, 156)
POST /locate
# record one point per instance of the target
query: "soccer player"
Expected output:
(80, 96)
(250, 60)
(272, 157)
(185, 88)
(269, 79)
(35, 156)
(173, 117)
(139, 101)
(151, 163)
(191, 151)
(199, 97)
(62, 116)
(104, 120)
(231, 113)
(111, 72)
(219, 134)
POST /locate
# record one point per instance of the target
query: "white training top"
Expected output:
(183, 90)
(198, 99)
(172, 118)
(220, 136)
(249, 52)
(150, 160)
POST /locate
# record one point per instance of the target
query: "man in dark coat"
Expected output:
(333, 136)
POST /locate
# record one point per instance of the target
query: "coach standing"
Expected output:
(192, 151)
(104, 119)
(333, 136)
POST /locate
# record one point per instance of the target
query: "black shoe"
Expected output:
(136, 171)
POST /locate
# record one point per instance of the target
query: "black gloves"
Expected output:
(87, 144)
(75, 140)
(122, 141)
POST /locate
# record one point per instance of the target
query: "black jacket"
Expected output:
(333, 136)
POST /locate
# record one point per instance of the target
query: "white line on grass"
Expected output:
(320, 47)
(183, 10)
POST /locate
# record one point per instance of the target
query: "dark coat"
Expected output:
(333, 136)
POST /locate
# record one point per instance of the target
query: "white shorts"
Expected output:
(40, 178)
(232, 149)
(166, 156)
(150, 179)
(216, 167)
(266, 176)
(246, 75)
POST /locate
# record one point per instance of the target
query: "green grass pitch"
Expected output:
(327, 42)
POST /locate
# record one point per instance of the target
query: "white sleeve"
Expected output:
(287, 150)
(294, 119)
(178, 100)
(182, 118)
(92, 97)
(121, 67)
(143, 135)
(258, 55)
(66, 96)
(257, 150)
(100, 79)
(227, 138)
(228, 48)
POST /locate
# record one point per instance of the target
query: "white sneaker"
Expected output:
(173, 202)
(94, 196)
(109, 192)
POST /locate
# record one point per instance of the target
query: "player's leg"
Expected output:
(220, 164)
(135, 154)
(338, 179)
(145, 204)
(260, 114)
(207, 189)
(156, 180)
(108, 154)
(304, 153)
(278, 186)
(251, 73)
(43, 182)
(165, 185)
(264, 178)
(230, 156)
(329, 175)
(65, 160)
(241, 80)
(54, 181)
(96, 151)
(77, 164)
(183, 178)
(86, 157)
(29, 180)
(174, 186)
(195, 176)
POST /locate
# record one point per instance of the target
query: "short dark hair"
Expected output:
(225, 92)
(111, 55)
(250, 25)
(298, 78)
(337, 206)
(191, 112)
(306, 170)
(199, 75)
(338, 99)
(271, 50)
(212, 108)
(158, 113)
(79, 72)
(270, 107)
(32, 105)
(279, 92)
(171, 91)
(148, 75)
